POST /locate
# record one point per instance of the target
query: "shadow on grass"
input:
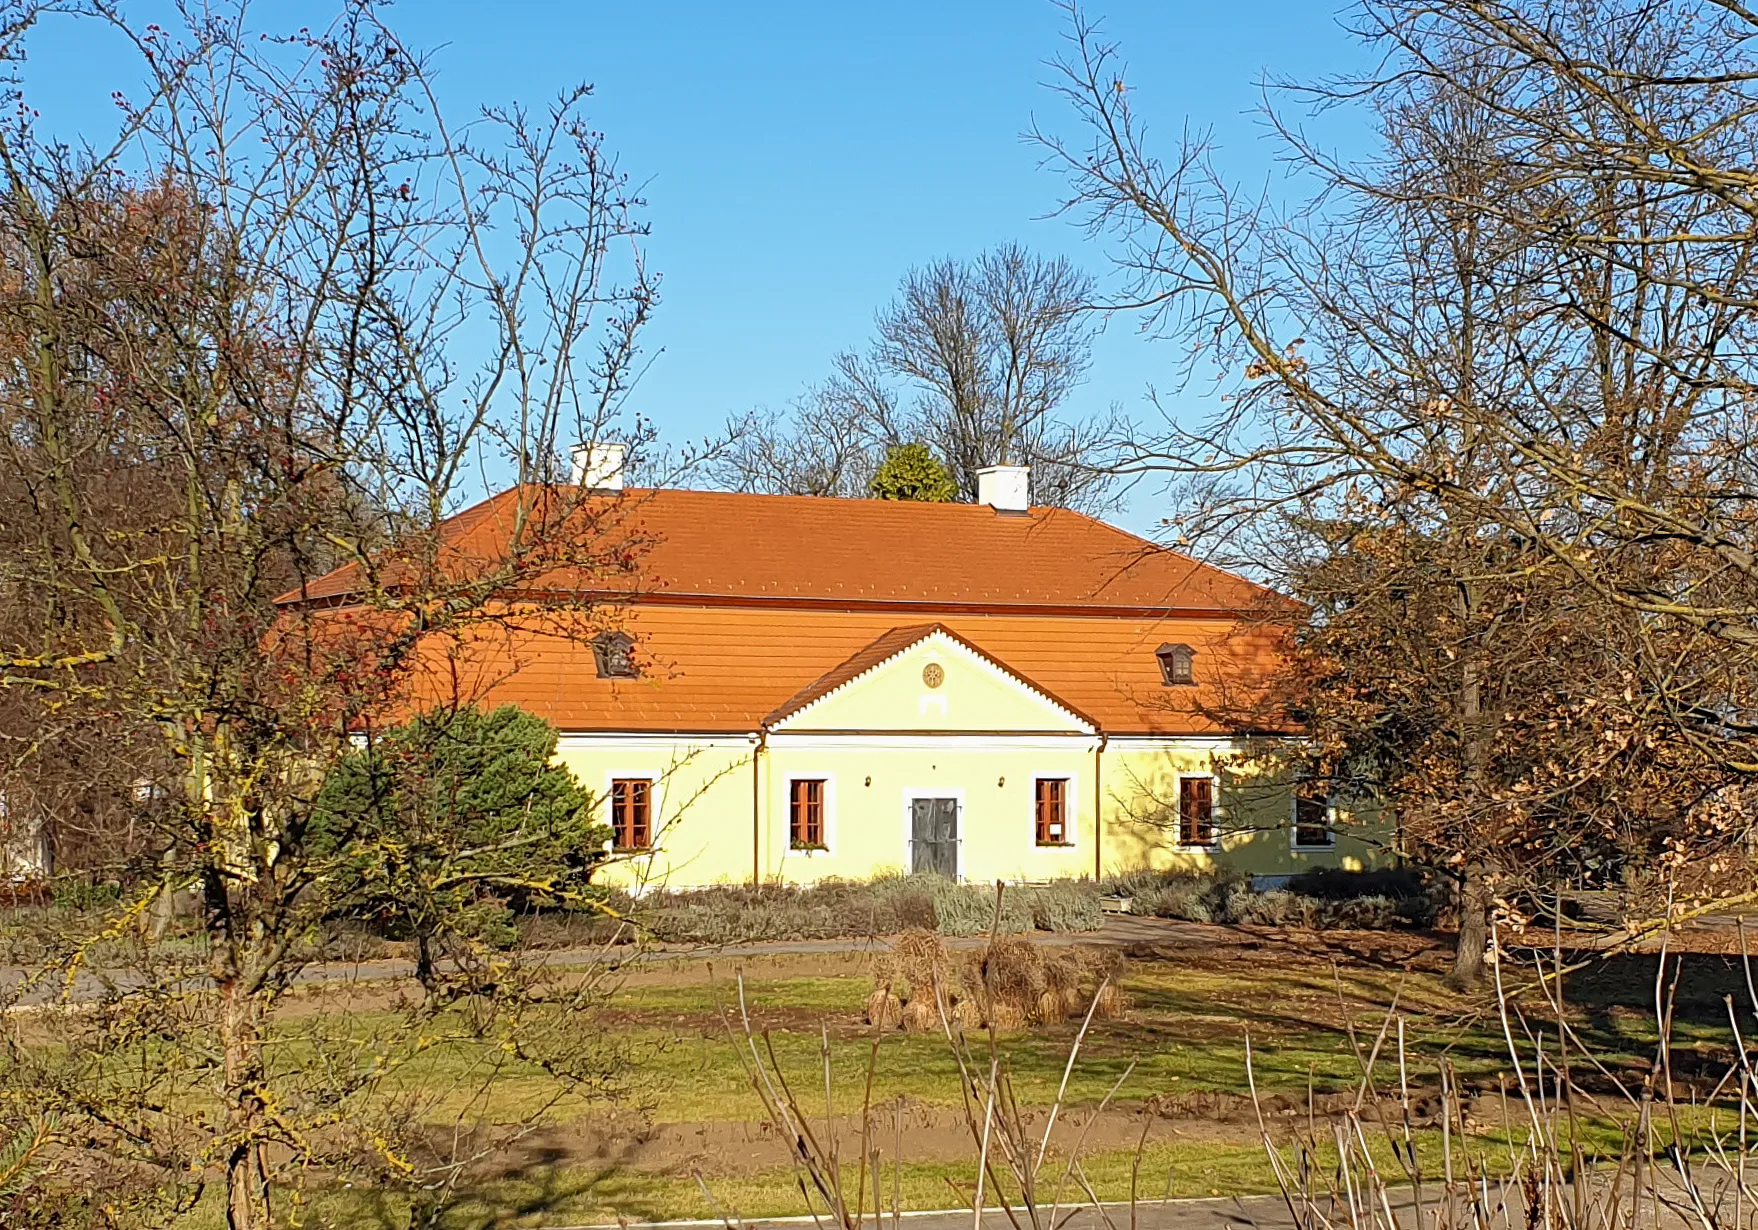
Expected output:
(1623, 987)
(545, 1186)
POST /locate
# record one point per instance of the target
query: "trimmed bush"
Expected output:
(1326, 898)
(966, 909)
(1193, 896)
(1186, 899)
(891, 905)
(834, 909)
(1373, 913)
(1064, 905)
(1411, 894)
(1336, 884)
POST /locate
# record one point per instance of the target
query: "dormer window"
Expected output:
(1177, 665)
(615, 654)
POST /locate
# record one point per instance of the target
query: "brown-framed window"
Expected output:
(614, 655)
(1052, 811)
(805, 813)
(1177, 665)
(1196, 811)
(1312, 822)
(631, 813)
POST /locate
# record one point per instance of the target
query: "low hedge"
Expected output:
(1327, 898)
(834, 909)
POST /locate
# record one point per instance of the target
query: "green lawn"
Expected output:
(665, 1035)
(600, 1194)
(1185, 1032)
(583, 1194)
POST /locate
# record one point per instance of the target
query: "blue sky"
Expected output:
(798, 157)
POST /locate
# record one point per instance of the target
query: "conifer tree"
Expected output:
(441, 824)
(912, 472)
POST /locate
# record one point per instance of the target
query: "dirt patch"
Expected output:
(1425, 1106)
(1228, 947)
(902, 1128)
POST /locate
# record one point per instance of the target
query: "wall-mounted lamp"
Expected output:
(868, 782)
(1000, 781)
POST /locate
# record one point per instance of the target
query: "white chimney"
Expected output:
(1005, 488)
(599, 465)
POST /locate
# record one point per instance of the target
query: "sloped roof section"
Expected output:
(883, 650)
(725, 547)
(729, 670)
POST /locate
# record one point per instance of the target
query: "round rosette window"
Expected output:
(933, 674)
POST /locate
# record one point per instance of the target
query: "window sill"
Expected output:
(808, 849)
(1301, 847)
(631, 849)
(1054, 845)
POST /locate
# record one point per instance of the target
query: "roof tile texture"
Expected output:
(726, 669)
(740, 604)
(727, 545)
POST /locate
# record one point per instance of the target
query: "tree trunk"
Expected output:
(165, 904)
(424, 961)
(1474, 905)
(1474, 894)
(247, 1176)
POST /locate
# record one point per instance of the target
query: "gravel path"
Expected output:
(1208, 1213)
(1119, 931)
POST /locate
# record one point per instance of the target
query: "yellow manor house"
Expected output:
(803, 688)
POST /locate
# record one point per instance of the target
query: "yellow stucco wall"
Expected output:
(979, 736)
(1253, 818)
(704, 798)
(973, 695)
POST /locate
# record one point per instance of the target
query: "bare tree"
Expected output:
(822, 446)
(977, 359)
(1519, 336)
(287, 319)
(993, 348)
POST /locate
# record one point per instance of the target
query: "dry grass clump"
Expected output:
(1062, 994)
(919, 1016)
(1007, 985)
(920, 957)
(904, 982)
(884, 1009)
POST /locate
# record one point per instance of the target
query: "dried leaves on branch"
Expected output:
(1486, 404)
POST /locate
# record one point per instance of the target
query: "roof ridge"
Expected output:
(944, 558)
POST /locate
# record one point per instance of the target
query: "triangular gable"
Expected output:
(926, 677)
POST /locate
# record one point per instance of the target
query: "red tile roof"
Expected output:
(721, 670)
(724, 546)
(745, 607)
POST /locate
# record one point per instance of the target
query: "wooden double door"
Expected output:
(934, 836)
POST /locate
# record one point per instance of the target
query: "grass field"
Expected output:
(687, 1136)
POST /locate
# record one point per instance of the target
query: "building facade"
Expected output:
(801, 688)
